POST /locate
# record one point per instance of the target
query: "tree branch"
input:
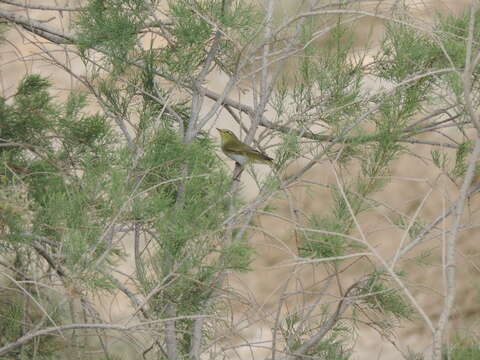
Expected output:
(42, 7)
(48, 331)
(47, 32)
(450, 255)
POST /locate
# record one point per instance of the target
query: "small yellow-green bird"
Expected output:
(240, 152)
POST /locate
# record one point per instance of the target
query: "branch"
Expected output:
(47, 32)
(421, 236)
(312, 136)
(48, 331)
(376, 253)
(170, 333)
(450, 255)
(42, 7)
(451, 242)
(43, 253)
(428, 142)
(332, 320)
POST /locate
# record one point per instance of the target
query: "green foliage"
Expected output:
(398, 107)
(14, 208)
(308, 69)
(177, 187)
(166, 159)
(3, 29)
(405, 52)
(81, 133)
(64, 191)
(56, 165)
(403, 222)
(329, 240)
(112, 27)
(452, 30)
(19, 316)
(439, 158)
(189, 26)
(338, 78)
(29, 118)
(238, 256)
(424, 258)
(288, 150)
(412, 355)
(194, 31)
(463, 349)
(327, 85)
(375, 166)
(153, 109)
(461, 156)
(183, 190)
(382, 297)
(332, 347)
(12, 319)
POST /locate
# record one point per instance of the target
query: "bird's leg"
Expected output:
(237, 172)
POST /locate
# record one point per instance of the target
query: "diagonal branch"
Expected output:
(327, 325)
(47, 32)
(41, 7)
(48, 331)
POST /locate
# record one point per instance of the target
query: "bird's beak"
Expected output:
(219, 130)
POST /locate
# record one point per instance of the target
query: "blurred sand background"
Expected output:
(20, 55)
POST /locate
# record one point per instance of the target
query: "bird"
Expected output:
(239, 152)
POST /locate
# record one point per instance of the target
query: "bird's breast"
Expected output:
(241, 159)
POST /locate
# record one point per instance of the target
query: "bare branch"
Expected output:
(48, 332)
(42, 7)
(450, 255)
(47, 32)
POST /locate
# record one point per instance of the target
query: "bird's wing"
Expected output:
(264, 157)
(261, 156)
(238, 147)
(244, 149)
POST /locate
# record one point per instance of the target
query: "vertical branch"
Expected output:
(450, 246)
(138, 259)
(469, 68)
(198, 92)
(276, 325)
(265, 87)
(450, 255)
(195, 349)
(194, 126)
(170, 332)
(189, 134)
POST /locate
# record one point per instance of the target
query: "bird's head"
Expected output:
(226, 134)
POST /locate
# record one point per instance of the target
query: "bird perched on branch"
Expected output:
(239, 152)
